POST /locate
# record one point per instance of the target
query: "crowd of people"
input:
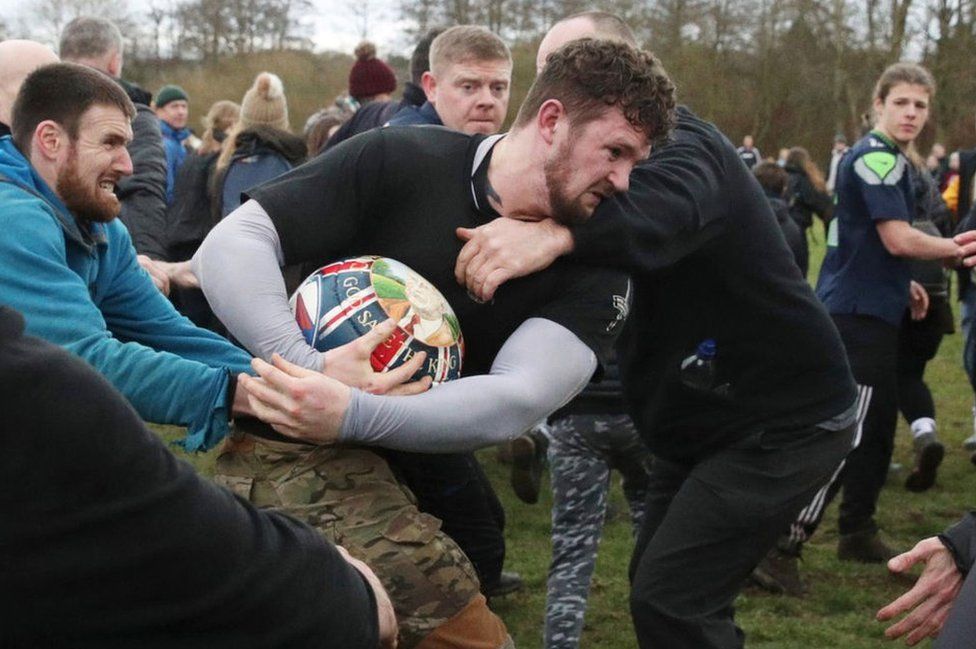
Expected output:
(633, 292)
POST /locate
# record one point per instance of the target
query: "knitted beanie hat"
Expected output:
(264, 103)
(369, 76)
(167, 94)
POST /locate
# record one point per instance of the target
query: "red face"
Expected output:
(903, 113)
(591, 163)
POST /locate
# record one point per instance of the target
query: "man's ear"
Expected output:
(115, 64)
(50, 139)
(429, 83)
(551, 114)
(878, 106)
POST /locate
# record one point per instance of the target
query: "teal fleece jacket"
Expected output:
(80, 286)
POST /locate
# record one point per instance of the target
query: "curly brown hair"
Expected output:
(588, 75)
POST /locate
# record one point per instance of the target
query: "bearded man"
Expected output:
(100, 480)
(402, 192)
(69, 266)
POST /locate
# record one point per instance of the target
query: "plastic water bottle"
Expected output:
(698, 370)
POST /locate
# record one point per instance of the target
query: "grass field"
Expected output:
(838, 611)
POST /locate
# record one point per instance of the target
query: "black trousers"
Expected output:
(872, 350)
(708, 524)
(917, 345)
(454, 488)
(888, 368)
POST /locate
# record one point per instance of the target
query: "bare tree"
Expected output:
(48, 17)
(361, 11)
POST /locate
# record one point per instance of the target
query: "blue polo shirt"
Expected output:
(859, 276)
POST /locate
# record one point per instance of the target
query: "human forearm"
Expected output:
(539, 369)
(119, 336)
(238, 267)
(507, 248)
(902, 240)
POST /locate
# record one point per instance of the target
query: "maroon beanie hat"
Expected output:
(369, 76)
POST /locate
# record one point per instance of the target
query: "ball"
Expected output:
(344, 300)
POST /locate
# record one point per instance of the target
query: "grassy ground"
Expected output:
(838, 612)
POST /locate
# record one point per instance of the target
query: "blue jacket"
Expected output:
(175, 154)
(81, 287)
(417, 116)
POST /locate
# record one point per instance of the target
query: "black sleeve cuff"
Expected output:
(960, 539)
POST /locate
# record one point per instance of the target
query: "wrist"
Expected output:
(560, 238)
(955, 260)
(237, 397)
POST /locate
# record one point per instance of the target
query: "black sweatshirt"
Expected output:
(710, 262)
(107, 540)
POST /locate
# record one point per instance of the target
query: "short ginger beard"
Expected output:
(564, 209)
(84, 199)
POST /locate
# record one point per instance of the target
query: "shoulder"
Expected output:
(410, 144)
(145, 125)
(373, 114)
(698, 140)
(25, 214)
(266, 139)
(695, 149)
(119, 255)
(875, 162)
(116, 233)
(407, 116)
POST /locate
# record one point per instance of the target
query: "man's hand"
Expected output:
(296, 402)
(384, 607)
(967, 249)
(180, 274)
(156, 272)
(350, 364)
(930, 599)
(918, 300)
(507, 248)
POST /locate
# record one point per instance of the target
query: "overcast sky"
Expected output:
(335, 24)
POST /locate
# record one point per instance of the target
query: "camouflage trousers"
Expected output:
(350, 495)
(582, 451)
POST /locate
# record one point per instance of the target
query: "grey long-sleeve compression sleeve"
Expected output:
(239, 269)
(540, 367)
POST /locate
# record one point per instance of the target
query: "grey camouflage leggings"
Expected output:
(582, 450)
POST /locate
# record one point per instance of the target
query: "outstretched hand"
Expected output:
(929, 601)
(506, 248)
(296, 402)
(350, 364)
